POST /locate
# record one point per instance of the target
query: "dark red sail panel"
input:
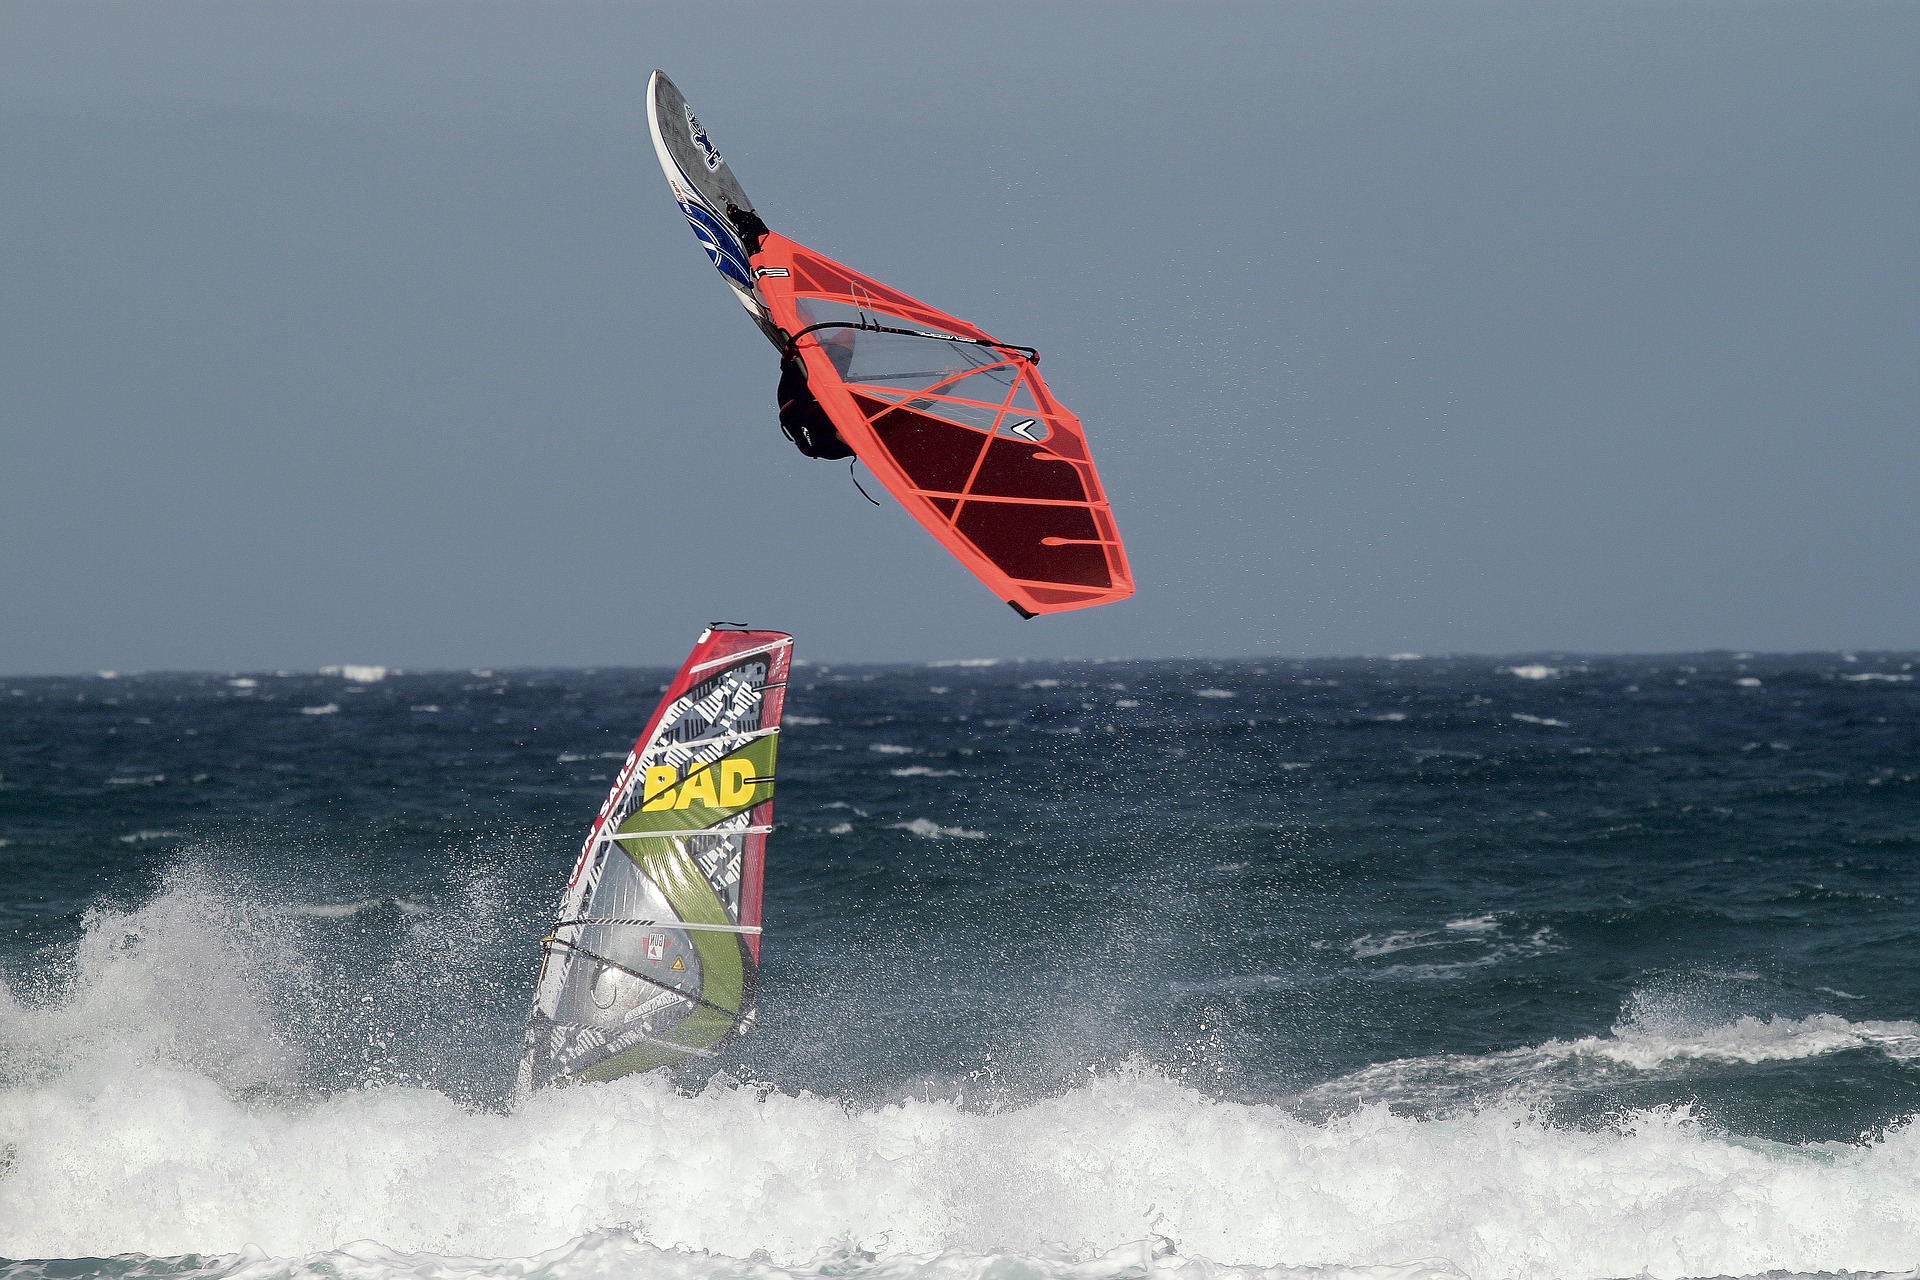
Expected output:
(966, 436)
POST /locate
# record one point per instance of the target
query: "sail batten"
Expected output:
(654, 953)
(704, 831)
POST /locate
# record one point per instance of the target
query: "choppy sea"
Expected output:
(1530, 967)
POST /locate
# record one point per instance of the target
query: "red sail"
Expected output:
(959, 428)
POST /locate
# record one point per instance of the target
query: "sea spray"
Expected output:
(1361, 968)
(742, 1171)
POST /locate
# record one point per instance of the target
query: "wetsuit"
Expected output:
(802, 418)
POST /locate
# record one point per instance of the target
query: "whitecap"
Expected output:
(1215, 693)
(1368, 945)
(1495, 951)
(922, 771)
(358, 673)
(326, 709)
(890, 749)
(1646, 1045)
(934, 831)
(1534, 671)
(1645, 1042)
(1546, 720)
(790, 718)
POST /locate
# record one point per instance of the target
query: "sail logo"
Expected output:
(707, 152)
(655, 945)
(728, 784)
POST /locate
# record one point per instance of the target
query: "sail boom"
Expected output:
(664, 924)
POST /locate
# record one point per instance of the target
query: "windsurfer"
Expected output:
(801, 417)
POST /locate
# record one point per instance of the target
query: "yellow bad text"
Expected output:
(727, 784)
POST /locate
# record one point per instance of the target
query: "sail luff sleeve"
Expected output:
(754, 863)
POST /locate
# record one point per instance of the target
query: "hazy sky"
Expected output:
(368, 332)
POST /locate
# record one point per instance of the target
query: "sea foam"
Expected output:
(147, 1105)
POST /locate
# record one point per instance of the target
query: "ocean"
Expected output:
(1552, 966)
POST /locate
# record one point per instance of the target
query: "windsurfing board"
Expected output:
(705, 189)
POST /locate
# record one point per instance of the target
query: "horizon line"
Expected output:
(1563, 655)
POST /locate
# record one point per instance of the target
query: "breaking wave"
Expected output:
(1661, 1033)
(149, 1105)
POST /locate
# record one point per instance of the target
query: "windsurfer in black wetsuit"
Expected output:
(801, 417)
